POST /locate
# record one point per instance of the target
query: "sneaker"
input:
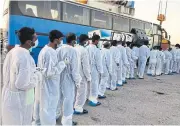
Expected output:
(74, 123)
(101, 97)
(81, 113)
(119, 85)
(115, 89)
(94, 104)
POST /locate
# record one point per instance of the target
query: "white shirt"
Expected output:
(123, 55)
(18, 70)
(136, 51)
(144, 52)
(84, 66)
(106, 61)
(153, 56)
(95, 57)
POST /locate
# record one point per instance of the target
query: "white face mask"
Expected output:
(36, 44)
(74, 43)
(59, 45)
(61, 42)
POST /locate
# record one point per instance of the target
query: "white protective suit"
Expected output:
(173, 61)
(123, 66)
(128, 53)
(178, 61)
(131, 59)
(136, 52)
(19, 80)
(107, 70)
(132, 64)
(84, 69)
(144, 53)
(168, 58)
(163, 62)
(152, 62)
(116, 59)
(47, 92)
(160, 62)
(70, 77)
(95, 60)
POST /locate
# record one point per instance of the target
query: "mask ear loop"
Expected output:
(86, 43)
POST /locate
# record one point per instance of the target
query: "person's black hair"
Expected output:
(128, 44)
(146, 42)
(119, 42)
(160, 49)
(139, 45)
(169, 49)
(25, 34)
(55, 34)
(95, 37)
(70, 37)
(155, 47)
(133, 45)
(114, 43)
(82, 38)
(123, 43)
(107, 44)
(177, 45)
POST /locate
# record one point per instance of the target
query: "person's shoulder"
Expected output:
(46, 50)
(19, 51)
(20, 54)
(83, 49)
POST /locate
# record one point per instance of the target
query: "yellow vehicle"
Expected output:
(164, 38)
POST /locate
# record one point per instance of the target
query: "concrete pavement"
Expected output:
(152, 101)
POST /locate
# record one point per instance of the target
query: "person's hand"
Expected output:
(77, 85)
(41, 70)
(127, 66)
(88, 82)
(117, 64)
(66, 61)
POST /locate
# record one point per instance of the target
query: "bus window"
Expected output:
(32, 8)
(101, 19)
(75, 14)
(52, 10)
(137, 24)
(148, 28)
(54, 14)
(121, 23)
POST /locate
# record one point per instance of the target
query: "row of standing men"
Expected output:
(164, 62)
(65, 76)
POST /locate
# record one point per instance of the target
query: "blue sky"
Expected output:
(147, 10)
